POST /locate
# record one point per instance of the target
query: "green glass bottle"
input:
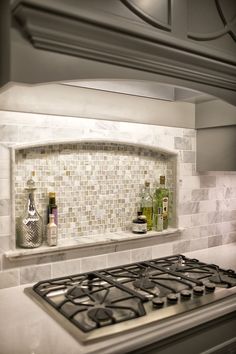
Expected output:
(161, 200)
(147, 205)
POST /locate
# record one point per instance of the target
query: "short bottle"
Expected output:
(52, 231)
(161, 200)
(139, 225)
(147, 205)
(52, 207)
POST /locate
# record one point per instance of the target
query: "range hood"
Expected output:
(162, 42)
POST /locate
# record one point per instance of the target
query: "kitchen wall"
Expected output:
(207, 207)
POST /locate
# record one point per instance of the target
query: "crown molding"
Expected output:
(123, 43)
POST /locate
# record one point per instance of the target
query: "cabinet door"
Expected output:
(216, 148)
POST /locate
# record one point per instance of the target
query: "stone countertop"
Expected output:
(27, 329)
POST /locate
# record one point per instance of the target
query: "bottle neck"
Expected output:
(52, 200)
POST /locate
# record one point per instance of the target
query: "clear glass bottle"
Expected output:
(30, 223)
(51, 231)
(139, 225)
(161, 200)
(147, 205)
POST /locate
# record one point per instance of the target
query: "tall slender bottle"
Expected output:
(52, 207)
(161, 200)
(30, 223)
(146, 205)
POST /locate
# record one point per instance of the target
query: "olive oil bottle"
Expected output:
(161, 200)
(147, 205)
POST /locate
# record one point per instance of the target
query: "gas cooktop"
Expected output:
(101, 303)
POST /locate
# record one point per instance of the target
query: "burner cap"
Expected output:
(157, 302)
(198, 290)
(144, 283)
(76, 291)
(172, 297)
(100, 314)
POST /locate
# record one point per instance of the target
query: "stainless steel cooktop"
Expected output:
(106, 302)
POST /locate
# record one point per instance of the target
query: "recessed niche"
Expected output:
(98, 185)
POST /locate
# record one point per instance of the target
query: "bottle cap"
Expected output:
(52, 195)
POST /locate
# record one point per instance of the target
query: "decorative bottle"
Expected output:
(146, 205)
(52, 207)
(30, 223)
(139, 225)
(161, 202)
(51, 231)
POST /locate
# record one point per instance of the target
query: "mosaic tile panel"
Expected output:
(98, 185)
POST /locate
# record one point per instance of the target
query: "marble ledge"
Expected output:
(127, 239)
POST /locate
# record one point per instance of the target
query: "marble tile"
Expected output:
(190, 233)
(215, 241)
(207, 181)
(38, 134)
(181, 247)
(208, 205)
(35, 273)
(4, 188)
(229, 238)
(214, 217)
(5, 207)
(9, 133)
(141, 254)
(189, 156)
(118, 258)
(198, 244)
(93, 263)
(60, 269)
(162, 250)
(4, 153)
(228, 215)
(4, 169)
(199, 219)
(188, 208)
(184, 143)
(9, 278)
(200, 194)
(4, 244)
(5, 225)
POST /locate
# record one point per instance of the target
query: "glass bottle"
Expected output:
(161, 200)
(30, 223)
(52, 207)
(146, 205)
(51, 231)
(139, 225)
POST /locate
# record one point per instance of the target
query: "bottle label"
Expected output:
(165, 206)
(54, 212)
(139, 228)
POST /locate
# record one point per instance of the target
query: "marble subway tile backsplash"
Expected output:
(207, 201)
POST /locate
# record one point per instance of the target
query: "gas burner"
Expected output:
(100, 314)
(144, 284)
(107, 297)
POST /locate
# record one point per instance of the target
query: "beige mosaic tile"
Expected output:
(98, 185)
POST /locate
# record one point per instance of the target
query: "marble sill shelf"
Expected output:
(127, 239)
